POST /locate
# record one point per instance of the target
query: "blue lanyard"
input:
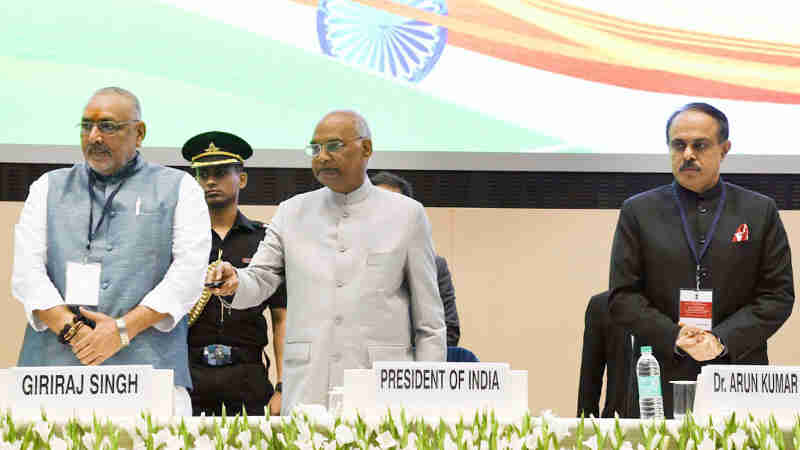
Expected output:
(699, 256)
(106, 207)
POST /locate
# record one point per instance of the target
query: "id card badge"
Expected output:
(83, 283)
(695, 307)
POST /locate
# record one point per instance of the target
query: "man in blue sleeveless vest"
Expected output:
(125, 239)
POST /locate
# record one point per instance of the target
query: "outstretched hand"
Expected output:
(226, 274)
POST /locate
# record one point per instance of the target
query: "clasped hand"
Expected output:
(93, 346)
(699, 344)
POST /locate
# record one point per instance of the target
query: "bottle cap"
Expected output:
(647, 349)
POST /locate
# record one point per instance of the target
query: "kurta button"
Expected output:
(113, 213)
(339, 283)
(105, 284)
(336, 356)
(339, 320)
(702, 241)
(109, 248)
(342, 249)
(702, 209)
(345, 214)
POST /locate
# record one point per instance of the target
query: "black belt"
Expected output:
(215, 355)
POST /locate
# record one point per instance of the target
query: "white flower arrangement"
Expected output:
(394, 431)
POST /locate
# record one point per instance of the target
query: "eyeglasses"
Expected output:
(330, 146)
(104, 126)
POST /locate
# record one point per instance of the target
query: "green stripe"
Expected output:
(198, 74)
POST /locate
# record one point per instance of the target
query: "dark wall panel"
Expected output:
(466, 189)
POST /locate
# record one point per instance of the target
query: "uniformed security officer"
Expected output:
(226, 345)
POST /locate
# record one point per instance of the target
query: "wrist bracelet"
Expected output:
(63, 333)
(279, 387)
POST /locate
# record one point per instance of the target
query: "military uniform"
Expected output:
(226, 346)
(244, 382)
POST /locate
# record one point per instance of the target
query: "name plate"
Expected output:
(67, 390)
(759, 390)
(434, 383)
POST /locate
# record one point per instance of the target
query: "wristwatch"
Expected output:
(122, 328)
(279, 387)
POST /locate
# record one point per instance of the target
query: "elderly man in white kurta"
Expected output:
(359, 268)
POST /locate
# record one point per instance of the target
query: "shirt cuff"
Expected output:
(36, 324)
(166, 324)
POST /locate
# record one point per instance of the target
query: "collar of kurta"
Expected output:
(356, 196)
(125, 171)
(710, 194)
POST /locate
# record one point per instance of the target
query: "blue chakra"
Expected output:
(381, 41)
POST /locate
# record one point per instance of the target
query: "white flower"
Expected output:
(605, 426)
(412, 440)
(654, 441)
(281, 439)
(43, 429)
(591, 442)
(245, 437)
(532, 440)
(58, 444)
(304, 445)
(193, 428)
(641, 447)
(173, 442)
(266, 428)
(88, 440)
(738, 439)
(141, 425)
(203, 443)
(626, 445)
(329, 445)
(665, 441)
(560, 429)
(386, 440)
(707, 444)
(484, 445)
(344, 435)
(319, 440)
(548, 416)
(304, 432)
(719, 427)
(467, 436)
(161, 437)
(503, 444)
(673, 427)
(770, 444)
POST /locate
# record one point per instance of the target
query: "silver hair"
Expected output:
(123, 92)
(359, 122)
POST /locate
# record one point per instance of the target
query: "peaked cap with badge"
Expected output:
(216, 148)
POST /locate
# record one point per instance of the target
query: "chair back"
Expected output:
(460, 354)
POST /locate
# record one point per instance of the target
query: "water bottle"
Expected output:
(651, 405)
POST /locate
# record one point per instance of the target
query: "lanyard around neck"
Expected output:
(698, 256)
(106, 207)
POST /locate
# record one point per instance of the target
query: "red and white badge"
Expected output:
(696, 306)
(742, 234)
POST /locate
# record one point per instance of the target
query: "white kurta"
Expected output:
(361, 284)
